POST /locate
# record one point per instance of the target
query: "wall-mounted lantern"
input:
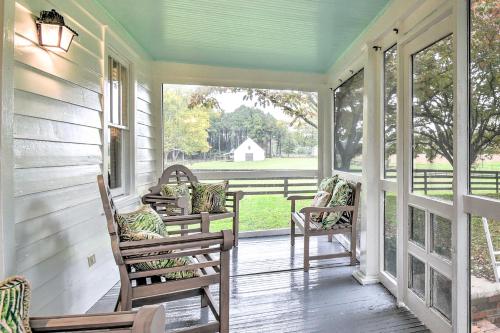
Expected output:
(53, 32)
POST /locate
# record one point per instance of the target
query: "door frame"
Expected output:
(437, 27)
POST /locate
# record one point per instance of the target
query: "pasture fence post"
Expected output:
(496, 180)
(285, 187)
(425, 181)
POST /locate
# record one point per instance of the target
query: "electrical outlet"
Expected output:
(91, 260)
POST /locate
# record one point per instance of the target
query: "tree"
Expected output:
(185, 129)
(299, 105)
(348, 121)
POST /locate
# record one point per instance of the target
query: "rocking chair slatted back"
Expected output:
(175, 174)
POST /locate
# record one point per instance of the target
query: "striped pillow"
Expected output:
(14, 305)
(210, 198)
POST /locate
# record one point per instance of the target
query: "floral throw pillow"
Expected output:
(142, 219)
(14, 305)
(209, 198)
(320, 200)
(328, 184)
(162, 263)
(341, 196)
(177, 191)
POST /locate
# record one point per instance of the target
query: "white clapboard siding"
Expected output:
(32, 80)
(37, 252)
(36, 154)
(29, 104)
(143, 106)
(58, 151)
(36, 180)
(144, 142)
(33, 230)
(55, 65)
(48, 130)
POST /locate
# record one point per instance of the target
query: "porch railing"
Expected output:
(265, 182)
(428, 180)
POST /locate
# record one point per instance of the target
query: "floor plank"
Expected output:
(271, 293)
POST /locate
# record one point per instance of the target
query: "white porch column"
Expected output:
(325, 112)
(7, 239)
(368, 271)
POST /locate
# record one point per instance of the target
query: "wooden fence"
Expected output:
(285, 182)
(262, 182)
(428, 180)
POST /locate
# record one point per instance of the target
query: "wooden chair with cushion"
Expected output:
(140, 287)
(179, 174)
(310, 227)
(15, 300)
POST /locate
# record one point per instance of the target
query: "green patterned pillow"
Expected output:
(162, 263)
(328, 184)
(177, 191)
(341, 196)
(209, 198)
(14, 305)
(143, 219)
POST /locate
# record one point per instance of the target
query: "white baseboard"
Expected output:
(364, 279)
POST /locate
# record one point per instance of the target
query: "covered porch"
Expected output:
(400, 97)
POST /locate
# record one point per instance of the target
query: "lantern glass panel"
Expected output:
(49, 34)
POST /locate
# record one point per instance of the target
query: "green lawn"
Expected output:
(301, 163)
(261, 212)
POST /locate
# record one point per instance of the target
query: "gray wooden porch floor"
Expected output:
(271, 293)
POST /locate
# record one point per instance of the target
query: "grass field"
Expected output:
(299, 163)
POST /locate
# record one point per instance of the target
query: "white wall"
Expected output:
(58, 151)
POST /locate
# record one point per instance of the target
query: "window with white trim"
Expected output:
(118, 127)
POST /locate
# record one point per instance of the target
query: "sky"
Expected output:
(231, 101)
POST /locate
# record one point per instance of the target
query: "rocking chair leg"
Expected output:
(353, 247)
(306, 252)
(292, 232)
(204, 300)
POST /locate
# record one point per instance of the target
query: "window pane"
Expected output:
(485, 98)
(416, 281)
(115, 157)
(390, 233)
(115, 91)
(348, 124)
(390, 111)
(124, 96)
(441, 236)
(417, 226)
(433, 120)
(485, 284)
(441, 293)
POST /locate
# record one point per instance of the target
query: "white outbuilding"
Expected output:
(249, 150)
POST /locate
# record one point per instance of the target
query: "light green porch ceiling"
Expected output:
(288, 35)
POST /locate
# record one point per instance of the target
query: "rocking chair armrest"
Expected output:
(238, 195)
(309, 210)
(149, 319)
(299, 197)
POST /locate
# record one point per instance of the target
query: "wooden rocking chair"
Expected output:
(146, 287)
(309, 228)
(149, 319)
(179, 174)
